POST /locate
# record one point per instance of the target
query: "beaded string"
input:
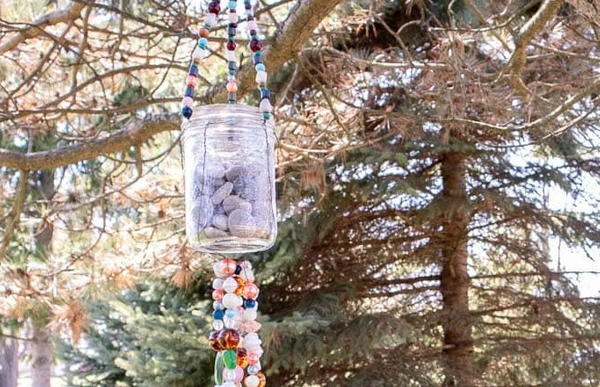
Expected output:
(201, 52)
(234, 334)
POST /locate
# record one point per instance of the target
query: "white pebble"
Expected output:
(241, 223)
(220, 222)
(222, 193)
(212, 232)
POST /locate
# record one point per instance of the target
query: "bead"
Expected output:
(213, 340)
(218, 314)
(264, 93)
(186, 111)
(229, 338)
(239, 374)
(217, 283)
(242, 357)
(218, 325)
(249, 303)
(231, 46)
(230, 285)
(189, 91)
(233, 17)
(231, 313)
(262, 379)
(240, 289)
(210, 19)
(232, 5)
(255, 45)
(231, 96)
(214, 7)
(229, 375)
(252, 25)
(257, 58)
(218, 305)
(266, 116)
(231, 31)
(249, 315)
(202, 42)
(250, 290)
(219, 367)
(251, 326)
(187, 101)
(191, 80)
(232, 300)
(254, 369)
(251, 339)
(193, 71)
(229, 266)
(261, 77)
(218, 269)
(231, 57)
(265, 106)
(203, 32)
(199, 53)
(230, 359)
(260, 67)
(238, 270)
(253, 358)
(251, 381)
(232, 65)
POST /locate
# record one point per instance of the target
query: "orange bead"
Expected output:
(242, 357)
(229, 338)
(213, 340)
(218, 294)
(229, 266)
(240, 289)
(262, 379)
(203, 32)
(250, 290)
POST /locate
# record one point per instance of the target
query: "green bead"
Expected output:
(219, 366)
(230, 359)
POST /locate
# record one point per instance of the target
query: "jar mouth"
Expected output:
(222, 113)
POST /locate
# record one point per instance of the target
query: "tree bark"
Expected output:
(42, 352)
(9, 363)
(454, 278)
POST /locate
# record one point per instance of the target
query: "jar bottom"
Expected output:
(228, 245)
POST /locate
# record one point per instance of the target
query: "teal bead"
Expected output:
(266, 116)
(260, 67)
(202, 43)
(232, 4)
(230, 359)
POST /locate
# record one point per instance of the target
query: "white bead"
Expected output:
(252, 25)
(200, 53)
(230, 285)
(252, 381)
(211, 19)
(261, 77)
(253, 348)
(233, 17)
(265, 106)
(228, 384)
(232, 300)
(251, 340)
(231, 56)
(229, 375)
(217, 283)
(217, 325)
(249, 315)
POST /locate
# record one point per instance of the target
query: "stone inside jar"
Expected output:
(231, 201)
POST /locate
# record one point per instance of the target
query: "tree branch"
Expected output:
(37, 26)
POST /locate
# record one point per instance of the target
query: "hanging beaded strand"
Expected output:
(256, 48)
(200, 52)
(231, 58)
(234, 334)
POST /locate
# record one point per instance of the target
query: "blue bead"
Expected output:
(202, 42)
(218, 314)
(257, 58)
(186, 111)
(232, 65)
(230, 313)
(238, 269)
(260, 67)
(232, 4)
(231, 72)
(249, 303)
(194, 69)
(189, 91)
(265, 93)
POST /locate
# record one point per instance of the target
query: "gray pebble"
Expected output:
(241, 223)
(212, 232)
(234, 202)
(219, 210)
(222, 193)
(220, 222)
(235, 172)
(202, 213)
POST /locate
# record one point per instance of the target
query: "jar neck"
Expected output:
(242, 115)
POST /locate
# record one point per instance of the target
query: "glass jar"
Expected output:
(229, 179)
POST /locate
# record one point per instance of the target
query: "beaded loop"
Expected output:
(255, 46)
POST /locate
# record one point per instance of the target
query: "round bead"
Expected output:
(199, 53)
(242, 357)
(257, 58)
(239, 374)
(214, 7)
(218, 305)
(232, 313)
(213, 340)
(232, 300)
(232, 323)
(232, 4)
(250, 290)
(249, 303)
(230, 359)
(262, 379)
(249, 315)
(251, 381)
(229, 375)
(253, 358)
(231, 46)
(260, 67)
(251, 339)
(251, 326)
(261, 77)
(210, 19)
(218, 325)
(218, 314)
(229, 266)
(202, 43)
(187, 101)
(217, 295)
(230, 285)
(218, 269)
(189, 91)
(252, 25)
(233, 17)
(254, 369)
(203, 32)
(255, 45)
(229, 338)
(217, 283)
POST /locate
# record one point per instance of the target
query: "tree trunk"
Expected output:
(456, 322)
(41, 357)
(9, 363)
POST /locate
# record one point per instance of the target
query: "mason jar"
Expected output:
(229, 179)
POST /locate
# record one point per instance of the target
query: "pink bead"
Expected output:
(232, 87)
(192, 80)
(239, 374)
(252, 25)
(187, 101)
(253, 358)
(228, 266)
(251, 326)
(250, 290)
(218, 294)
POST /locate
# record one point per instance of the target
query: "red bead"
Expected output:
(192, 80)
(231, 46)
(255, 45)
(214, 7)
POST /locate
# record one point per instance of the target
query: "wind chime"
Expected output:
(230, 198)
